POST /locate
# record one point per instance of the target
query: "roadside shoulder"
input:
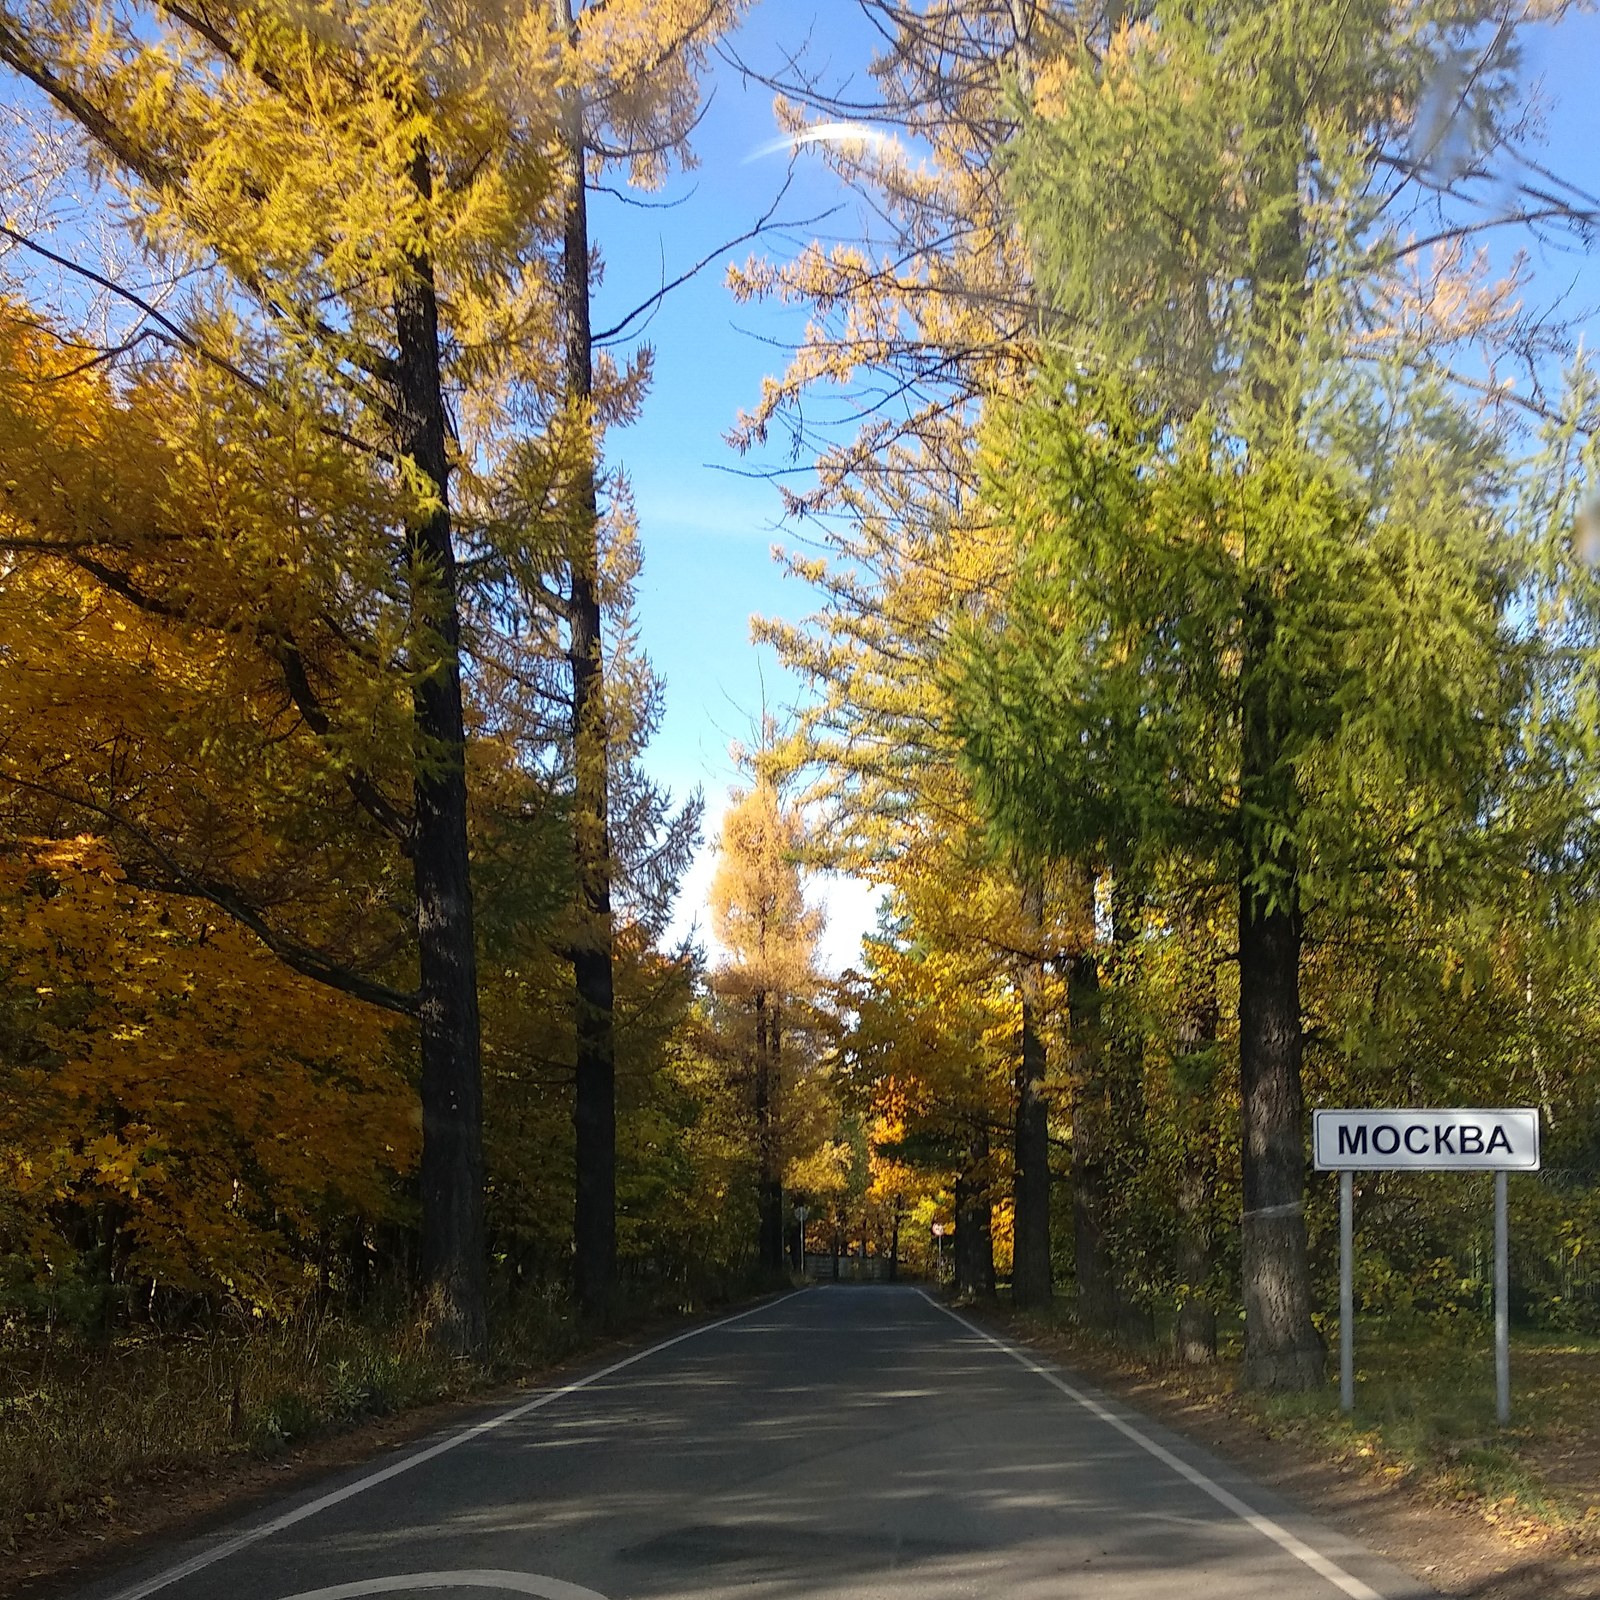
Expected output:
(186, 1507)
(1453, 1547)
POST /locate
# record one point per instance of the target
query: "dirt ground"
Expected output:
(1567, 1455)
(1461, 1544)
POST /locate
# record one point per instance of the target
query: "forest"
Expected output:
(1196, 649)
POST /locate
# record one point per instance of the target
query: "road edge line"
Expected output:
(1345, 1582)
(242, 1541)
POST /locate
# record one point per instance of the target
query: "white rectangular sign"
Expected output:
(1438, 1141)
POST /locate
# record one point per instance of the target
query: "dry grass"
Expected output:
(81, 1425)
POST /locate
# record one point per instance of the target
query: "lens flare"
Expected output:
(839, 133)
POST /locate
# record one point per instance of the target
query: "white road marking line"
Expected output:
(515, 1582)
(242, 1541)
(1265, 1526)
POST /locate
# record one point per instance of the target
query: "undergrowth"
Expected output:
(83, 1423)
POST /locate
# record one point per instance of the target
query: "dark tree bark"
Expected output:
(769, 1199)
(1195, 1256)
(1129, 1142)
(1095, 1292)
(974, 1277)
(1196, 1333)
(1283, 1350)
(595, 1105)
(452, 1243)
(1030, 1270)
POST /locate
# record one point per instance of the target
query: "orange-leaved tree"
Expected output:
(177, 1108)
(360, 197)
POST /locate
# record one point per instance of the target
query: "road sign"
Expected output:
(938, 1230)
(1423, 1141)
(1497, 1141)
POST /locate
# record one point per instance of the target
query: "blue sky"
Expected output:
(708, 529)
(708, 526)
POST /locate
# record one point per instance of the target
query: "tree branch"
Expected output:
(309, 963)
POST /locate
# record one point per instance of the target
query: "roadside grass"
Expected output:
(1424, 1414)
(1425, 1410)
(85, 1426)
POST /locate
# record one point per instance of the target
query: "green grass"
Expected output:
(1425, 1410)
(1425, 1403)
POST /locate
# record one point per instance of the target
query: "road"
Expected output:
(854, 1443)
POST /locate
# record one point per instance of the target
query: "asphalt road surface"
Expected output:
(853, 1443)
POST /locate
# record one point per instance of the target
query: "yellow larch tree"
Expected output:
(768, 976)
(916, 327)
(627, 97)
(170, 965)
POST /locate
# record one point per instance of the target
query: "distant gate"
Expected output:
(852, 1269)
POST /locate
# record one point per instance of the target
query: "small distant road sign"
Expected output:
(938, 1230)
(1439, 1141)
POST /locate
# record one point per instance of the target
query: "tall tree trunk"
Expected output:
(769, 1194)
(1283, 1350)
(1095, 1296)
(975, 1223)
(1195, 1257)
(595, 1104)
(1196, 1331)
(452, 1242)
(1030, 1262)
(1129, 1143)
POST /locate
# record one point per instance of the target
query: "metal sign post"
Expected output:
(1502, 1304)
(1347, 1292)
(1500, 1142)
